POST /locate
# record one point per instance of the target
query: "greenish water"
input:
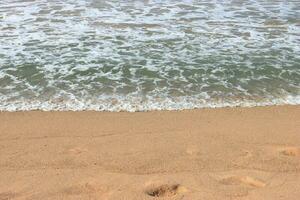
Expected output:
(148, 55)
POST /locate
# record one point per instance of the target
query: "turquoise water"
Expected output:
(148, 55)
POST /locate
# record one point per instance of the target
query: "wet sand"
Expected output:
(231, 153)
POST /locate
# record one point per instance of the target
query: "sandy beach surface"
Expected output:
(205, 154)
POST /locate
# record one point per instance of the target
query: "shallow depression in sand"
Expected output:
(243, 180)
(290, 151)
(165, 190)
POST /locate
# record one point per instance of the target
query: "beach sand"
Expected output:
(204, 154)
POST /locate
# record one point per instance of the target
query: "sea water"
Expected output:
(139, 55)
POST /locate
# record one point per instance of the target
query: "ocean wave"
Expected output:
(119, 104)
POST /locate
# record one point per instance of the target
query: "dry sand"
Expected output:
(206, 154)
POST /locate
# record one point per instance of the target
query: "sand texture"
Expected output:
(206, 154)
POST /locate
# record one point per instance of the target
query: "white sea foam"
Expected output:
(119, 104)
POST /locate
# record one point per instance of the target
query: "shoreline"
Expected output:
(208, 153)
(155, 110)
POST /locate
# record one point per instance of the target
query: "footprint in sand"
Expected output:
(166, 190)
(243, 180)
(289, 151)
(77, 150)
